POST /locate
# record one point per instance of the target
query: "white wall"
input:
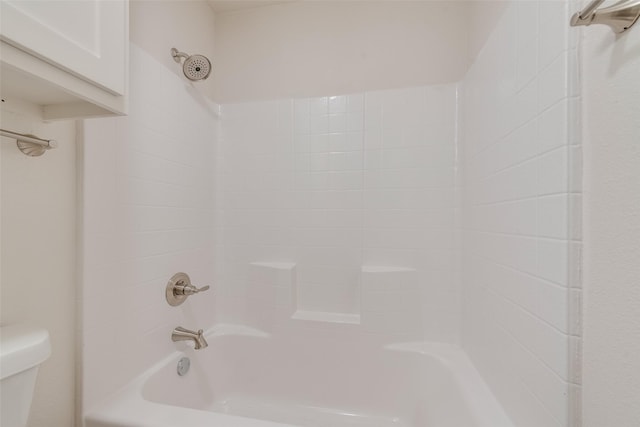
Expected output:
(611, 66)
(483, 16)
(187, 25)
(319, 48)
(38, 238)
(519, 200)
(355, 196)
(251, 60)
(520, 173)
(148, 201)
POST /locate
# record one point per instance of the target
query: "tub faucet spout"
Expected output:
(183, 334)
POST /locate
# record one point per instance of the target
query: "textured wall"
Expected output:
(147, 204)
(611, 67)
(520, 241)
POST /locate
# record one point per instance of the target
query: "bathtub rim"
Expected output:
(117, 408)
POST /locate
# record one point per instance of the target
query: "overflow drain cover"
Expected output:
(183, 366)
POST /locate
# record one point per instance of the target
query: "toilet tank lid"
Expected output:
(22, 346)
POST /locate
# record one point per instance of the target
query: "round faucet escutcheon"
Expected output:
(179, 288)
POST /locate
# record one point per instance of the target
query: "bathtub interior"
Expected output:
(315, 381)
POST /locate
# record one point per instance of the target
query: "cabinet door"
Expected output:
(86, 38)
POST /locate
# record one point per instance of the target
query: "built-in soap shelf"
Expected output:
(274, 282)
(387, 278)
(282, 266)
(277, 281)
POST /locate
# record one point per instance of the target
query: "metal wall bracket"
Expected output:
(619, 17)
(30, 145)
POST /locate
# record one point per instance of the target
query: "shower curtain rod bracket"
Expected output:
(30, 145)
(619, 17)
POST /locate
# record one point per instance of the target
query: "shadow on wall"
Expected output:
(346, 47)
(483, 17)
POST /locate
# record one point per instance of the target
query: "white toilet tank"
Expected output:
(22, 349)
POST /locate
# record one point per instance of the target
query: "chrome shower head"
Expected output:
(195, 67)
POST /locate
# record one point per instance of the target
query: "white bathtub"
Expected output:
(246, 378)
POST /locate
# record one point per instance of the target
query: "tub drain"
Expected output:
(183, 366)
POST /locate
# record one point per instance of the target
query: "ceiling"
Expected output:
(220, 6)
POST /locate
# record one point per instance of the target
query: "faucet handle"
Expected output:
(188, 289)
(179, 288)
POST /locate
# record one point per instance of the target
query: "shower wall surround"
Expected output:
(520, 167)
(349, 202)
(439, 213)
(148, 211)
(401, 227)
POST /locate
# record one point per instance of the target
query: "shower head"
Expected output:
(195, 67)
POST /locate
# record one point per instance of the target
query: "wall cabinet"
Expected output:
(69, 56)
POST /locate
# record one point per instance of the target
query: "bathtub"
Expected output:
(247, 378)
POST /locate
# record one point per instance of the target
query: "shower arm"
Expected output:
(176, 54)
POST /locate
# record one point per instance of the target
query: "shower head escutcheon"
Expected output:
(195, 67)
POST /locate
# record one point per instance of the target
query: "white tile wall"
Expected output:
(340, 184)
(333, 177)
(358, 212)
(408, 210)
(519, 201)
(148, 212)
